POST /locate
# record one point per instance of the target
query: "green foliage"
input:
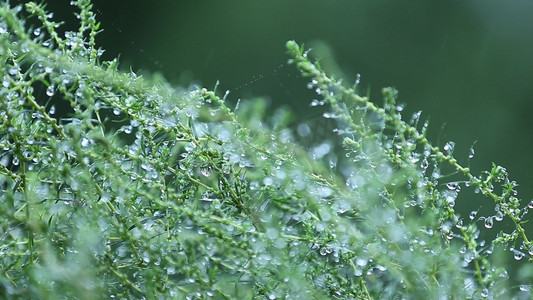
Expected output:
(115, 185)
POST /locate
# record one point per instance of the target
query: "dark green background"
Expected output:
(466, 64)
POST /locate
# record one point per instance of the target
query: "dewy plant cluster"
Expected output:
(114, 185)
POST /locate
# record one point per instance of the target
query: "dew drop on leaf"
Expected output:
(449, 147)
(84, 142)
(268, 181)
(50, 90)
(471, 153)
(206, 171)
(489, 222)
(525, 287)
(316, 102)
(361, 262)
(6, 82)
(424, 164)
(498, 216)
(13, 71)
(452, 185)
(272, 233)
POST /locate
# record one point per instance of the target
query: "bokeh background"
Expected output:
(466, 64)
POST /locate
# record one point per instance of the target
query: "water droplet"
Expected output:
(361, 262)
(37, 31)
(321, 150)
(357, 79)
(317, 102)
(3, 28)
(50, 90)
(459, 224)
(468, 257)
(268, 181)
(453, 186)
(525, 287)
(449, 146)
(14, 70)
(471, 153)
(518, 255)
(116, 111)
(206, 171)
(24, 48)
(135, 123)
(328, 115)
(473, 214)
(499, 216)
(424, 164)
(415, 118)
(489, 222)
(6, 82)
(332, 164)
(304, 130)
(272, 233)
(450, 197)
(400, 107)
(85, 142)
(146, 257)
(52, 110)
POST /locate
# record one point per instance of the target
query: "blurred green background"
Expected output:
(466, 64)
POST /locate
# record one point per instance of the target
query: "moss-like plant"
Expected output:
(117, 186)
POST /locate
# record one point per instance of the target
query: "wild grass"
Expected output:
(115, 185)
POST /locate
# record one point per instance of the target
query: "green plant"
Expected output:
(116, 185)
